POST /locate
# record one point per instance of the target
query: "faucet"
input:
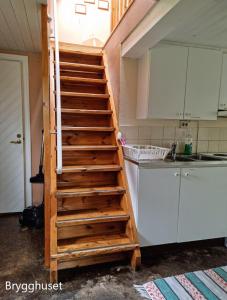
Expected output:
(173, 152)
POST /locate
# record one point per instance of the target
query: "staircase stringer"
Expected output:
(53, 175)
(126, 203)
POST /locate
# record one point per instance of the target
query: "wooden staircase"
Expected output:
(91, 217)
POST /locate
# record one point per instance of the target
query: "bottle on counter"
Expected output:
(188, 144)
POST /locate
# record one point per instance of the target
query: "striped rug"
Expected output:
(210, 284)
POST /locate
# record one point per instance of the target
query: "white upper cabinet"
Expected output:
(178, 82)
(203, 84)
(161, 83)
(223, 90)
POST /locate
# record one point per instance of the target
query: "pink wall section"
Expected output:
(113, 46)
(36, 117)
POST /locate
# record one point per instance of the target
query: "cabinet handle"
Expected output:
(176, 174)
(193, 117)
(186, 174)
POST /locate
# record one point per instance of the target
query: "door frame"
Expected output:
(23, 59)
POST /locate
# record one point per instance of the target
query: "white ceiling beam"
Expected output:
(164, 18)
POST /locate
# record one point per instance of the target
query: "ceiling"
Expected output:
(20, 25)
(208, 26)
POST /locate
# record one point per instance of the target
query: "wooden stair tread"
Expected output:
(69, 51)
(101, 245)
(91, 168)
(72, 219)
(92, 242)
(83, 80)
(90, 148)
(86, 111)
(85, 95)
(116, 190)
(85, 128)
(84, 67)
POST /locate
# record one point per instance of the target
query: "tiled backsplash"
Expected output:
(208, 136)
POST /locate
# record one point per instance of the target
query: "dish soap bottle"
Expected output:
(188, 145)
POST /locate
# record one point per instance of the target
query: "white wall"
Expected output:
(78, 29)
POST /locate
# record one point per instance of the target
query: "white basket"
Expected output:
(145, 152)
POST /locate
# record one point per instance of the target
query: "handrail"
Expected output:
(58, 91)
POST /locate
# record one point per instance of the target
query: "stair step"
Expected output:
(93, 217)
(93, 129)
(93, 246)
(85, 95)
(83, 80)
(92, 168)
(95, 251)
(69, 51)
(90, 148)
(99, 191)
(81, 67)
(86, 111)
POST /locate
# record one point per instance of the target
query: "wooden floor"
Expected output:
(91, 214)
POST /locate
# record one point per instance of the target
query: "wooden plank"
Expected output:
(53, 177)
(93, 168)
(83, 80)
(93, 129)
(87, 179)
(90, 148)
(86, 120)
(87, 261)
(89, 192)
(88, 203)
(84, 95)
(126, 202)
(92, 242)
(70, 51)
(86, 111)
(93, 217)
(86, 138)
(84, 67)
(85, 230)
(46, 127)
(97, 251)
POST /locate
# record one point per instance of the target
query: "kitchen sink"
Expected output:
(200, 157)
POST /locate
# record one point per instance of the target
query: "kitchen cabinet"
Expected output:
(155, 206)
(173, 205)
(161, 83)
(179, 82)
(203, 83)
(203, 205)
(223, 89)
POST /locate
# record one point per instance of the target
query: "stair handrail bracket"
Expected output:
(58, 92)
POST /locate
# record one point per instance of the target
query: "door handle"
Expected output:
(186, 174)
(15, 142)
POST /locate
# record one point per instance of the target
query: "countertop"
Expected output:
(157, 164)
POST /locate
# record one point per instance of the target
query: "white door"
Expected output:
(168, 71)
(203, 205)
(203, 84)
(158, 203)
(12, 191)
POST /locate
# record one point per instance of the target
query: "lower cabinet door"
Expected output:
(158, 203)
(203, 204)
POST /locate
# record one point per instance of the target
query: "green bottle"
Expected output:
(188, 145)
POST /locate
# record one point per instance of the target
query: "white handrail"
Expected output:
(58, 92)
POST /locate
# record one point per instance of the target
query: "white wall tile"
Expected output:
(223, 146)
(157, 133)
(223, 134)
(202, 146)
(213, 134)
(169, 133)
(144, 132)
(203, 134)
(213, 146)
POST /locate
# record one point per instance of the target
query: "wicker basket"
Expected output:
(145, 152)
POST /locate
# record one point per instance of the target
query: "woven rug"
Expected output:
(210, 284)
